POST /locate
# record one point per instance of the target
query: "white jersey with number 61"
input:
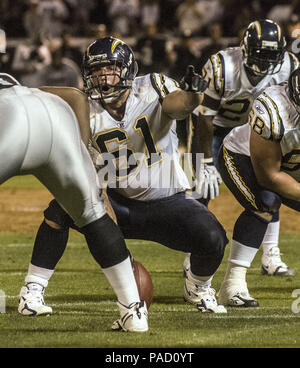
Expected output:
(140, 152)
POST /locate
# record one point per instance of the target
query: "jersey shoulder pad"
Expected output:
(162, 85)
(294, 62)
(265, 117)
(215, 70)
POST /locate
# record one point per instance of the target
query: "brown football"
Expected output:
(144, 282)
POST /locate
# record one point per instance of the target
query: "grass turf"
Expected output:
(84, 304)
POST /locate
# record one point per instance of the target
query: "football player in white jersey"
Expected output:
(133, 128)
(260, 164)
(236, 77)
(39, 135)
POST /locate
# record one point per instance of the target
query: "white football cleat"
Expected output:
(272, 265)
(31, 300)
(134, 318)
(236, 295)
(201, 296)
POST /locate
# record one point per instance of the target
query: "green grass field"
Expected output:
(84, 304)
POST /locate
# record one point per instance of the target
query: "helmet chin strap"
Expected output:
(256, 71)
(113, 96)
(252, 76)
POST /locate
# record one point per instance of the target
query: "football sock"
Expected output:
(240, 254)
(202, 281)
(105, 241)
(49, 246)
(250, 229)
(271, 237)
(235, 275)
(240, 258)
(122, 280)
(38, 275)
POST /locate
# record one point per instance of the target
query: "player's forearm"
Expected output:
(179, 104)
(282, 184)
(205, 135)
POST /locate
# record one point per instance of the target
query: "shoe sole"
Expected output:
(118, 327)
(246, 303)
(288, 272)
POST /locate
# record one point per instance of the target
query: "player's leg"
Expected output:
(13, 140)
(271, 262)
(250, 227)
(194, 149)
(205, 242)
(180, 223)
(77, 192)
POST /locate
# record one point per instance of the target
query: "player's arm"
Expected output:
(213, 72)
(178, 104)
(79, 103)
(209, 179)
(204, 135)
(266, 160)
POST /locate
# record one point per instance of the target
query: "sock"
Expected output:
(49, 246)
(240, 254)
(202, 281)
(106, 242)
(240, 259)
(235, 275)
(38, 275)
(271, 237)
(249, 229)
(122, 280)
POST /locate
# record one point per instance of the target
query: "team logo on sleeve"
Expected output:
(259, 109)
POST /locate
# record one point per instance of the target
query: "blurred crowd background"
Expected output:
(47, 38)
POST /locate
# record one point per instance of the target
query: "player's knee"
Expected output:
(211, 243)
(56, 217)
(217, 241)
(270, 202)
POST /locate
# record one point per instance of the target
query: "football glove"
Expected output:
(193, 82)
(209, 181)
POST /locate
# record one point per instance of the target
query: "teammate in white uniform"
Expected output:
(236, 77)
(260, 164)
(133, 129)
(39, 135)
